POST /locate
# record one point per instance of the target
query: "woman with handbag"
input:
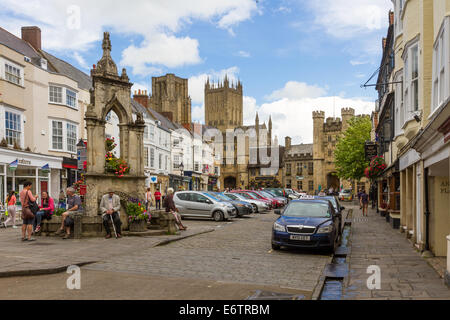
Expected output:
(29, 208)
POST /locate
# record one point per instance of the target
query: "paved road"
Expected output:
(229, 263)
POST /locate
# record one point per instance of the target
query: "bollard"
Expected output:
(77, 225)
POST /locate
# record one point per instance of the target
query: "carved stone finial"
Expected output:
(124, 75)
(106, 65)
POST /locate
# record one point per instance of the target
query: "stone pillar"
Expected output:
(96, 149)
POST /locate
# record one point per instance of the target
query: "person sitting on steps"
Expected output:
(73, 205)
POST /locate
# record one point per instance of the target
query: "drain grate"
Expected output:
(41, 244)
(268, 295)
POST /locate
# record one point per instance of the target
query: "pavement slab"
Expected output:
(404, 273)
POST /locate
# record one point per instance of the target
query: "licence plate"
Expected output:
(304, 238)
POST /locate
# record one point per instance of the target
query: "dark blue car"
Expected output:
(307, 223)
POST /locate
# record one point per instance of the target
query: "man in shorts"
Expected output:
(73, 205)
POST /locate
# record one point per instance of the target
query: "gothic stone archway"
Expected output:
(230, 182)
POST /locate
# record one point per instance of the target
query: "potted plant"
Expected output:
(114, 165)
(137, 216)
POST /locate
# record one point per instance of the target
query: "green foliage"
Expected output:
(59, 212)
(136, 212)
(349, 153)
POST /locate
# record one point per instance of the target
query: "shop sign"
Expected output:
(153, 179)
(370, 150)
(23, 161)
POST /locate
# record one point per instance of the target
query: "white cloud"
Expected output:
(358, 62)
(342, 20)
(81, 61)
(155, 22)
(243, 54)
(297, 90)
(198, 113)
(294, 117)
(161, 49)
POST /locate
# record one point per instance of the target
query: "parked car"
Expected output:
(242, 207)
(282, 200)
(306, 223)
(253, 196)
(274, 202)
(291, 194)
(346, 195)
(258, 206)
(336, 205)
(200, 204)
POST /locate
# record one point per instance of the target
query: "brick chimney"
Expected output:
(391, 18)
(141, 97)
(32, 35)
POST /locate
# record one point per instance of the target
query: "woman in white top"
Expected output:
(148, 199)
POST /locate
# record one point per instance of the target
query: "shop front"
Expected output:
(195, 182)
(70, 173)
(388, 194)
(18, 167)
(212, 183)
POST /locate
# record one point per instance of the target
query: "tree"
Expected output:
(349, 153)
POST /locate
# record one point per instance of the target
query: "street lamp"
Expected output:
(181, 166)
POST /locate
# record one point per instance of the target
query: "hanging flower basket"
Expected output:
(375, 168)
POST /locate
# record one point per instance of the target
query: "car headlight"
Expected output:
(326, 229)
(279, 227)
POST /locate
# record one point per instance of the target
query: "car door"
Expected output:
(201, 205)
(181, 202)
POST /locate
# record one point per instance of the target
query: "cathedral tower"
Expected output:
(170, 97)
(224, 104)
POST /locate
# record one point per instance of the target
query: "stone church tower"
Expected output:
(170, 98)
(224, 105)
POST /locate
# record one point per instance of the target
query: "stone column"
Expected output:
(96, 149)
(447, 272)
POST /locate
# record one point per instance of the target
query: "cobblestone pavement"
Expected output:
(404, 273)
(238, 252)
(53, 252)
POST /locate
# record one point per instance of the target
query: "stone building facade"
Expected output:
(224, 105)
(324, 144)
(298, 166)
(169, 97)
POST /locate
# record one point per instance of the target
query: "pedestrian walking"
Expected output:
(364, 202)
(47, 208)
(169, 204)
(359, 198)
(11, 206)
(158, 199)
(27, 199)
(148, 199)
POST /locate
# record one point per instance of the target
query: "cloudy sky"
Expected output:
(293, 56)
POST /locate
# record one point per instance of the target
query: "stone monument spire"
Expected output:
(106, 65)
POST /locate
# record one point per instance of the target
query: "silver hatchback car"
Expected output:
(199, 204)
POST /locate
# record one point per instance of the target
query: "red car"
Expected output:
(250, 194)
(275, 202)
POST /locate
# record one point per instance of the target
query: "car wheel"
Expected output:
(218, 216)
(275, 247)
(255, 208)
